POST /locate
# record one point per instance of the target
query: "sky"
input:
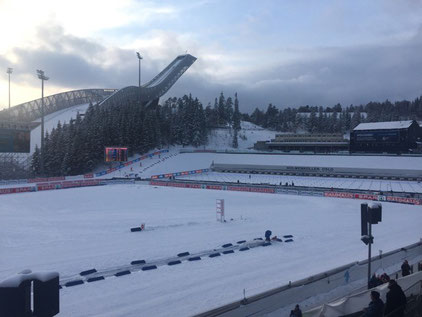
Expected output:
(288, 53)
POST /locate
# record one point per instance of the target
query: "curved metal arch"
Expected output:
(30, 111)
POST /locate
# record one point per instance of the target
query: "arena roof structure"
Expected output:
(384, 125)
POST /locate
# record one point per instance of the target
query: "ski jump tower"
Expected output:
(150, 92)
(147, 93)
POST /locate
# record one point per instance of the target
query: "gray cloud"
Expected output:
(349, 75)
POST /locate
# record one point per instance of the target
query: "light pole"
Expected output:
(139, 58)
(9, 71)
(42, 76)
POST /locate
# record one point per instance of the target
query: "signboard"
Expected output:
(14, 141)
(115, 154)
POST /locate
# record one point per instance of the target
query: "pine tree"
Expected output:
(235, 143)
(236, 114)
(228, 115)
(35, 162)
(221, 110)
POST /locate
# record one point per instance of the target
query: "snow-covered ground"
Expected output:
(76, 229)
(327, 182)
(176, 162)
(248, 136)
(51, 121)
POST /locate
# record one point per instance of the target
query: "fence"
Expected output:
(273, 189)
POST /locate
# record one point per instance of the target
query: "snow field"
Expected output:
(77, 229)
(191, 161)
(327, 182)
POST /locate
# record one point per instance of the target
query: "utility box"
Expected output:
(16, 296)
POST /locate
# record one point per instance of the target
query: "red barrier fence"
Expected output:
(402, 200)
(50, 186)
(395, 199)
(14, 190)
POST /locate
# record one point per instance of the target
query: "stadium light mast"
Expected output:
(42, 76)
(9, 71)
(139, 59)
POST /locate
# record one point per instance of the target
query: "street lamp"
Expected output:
(9, 71)
(42, 76)
(139, 58)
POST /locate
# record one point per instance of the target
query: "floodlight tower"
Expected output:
(9, 71)
(139, 59)
(42, 76)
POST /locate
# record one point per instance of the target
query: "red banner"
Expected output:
(366, 196)
(404, 200)
(193, 185)
(217, 187)
(90, 182)
(46, 186)
(90, 175)
(339, 195)
(238, 188)
(4, 191)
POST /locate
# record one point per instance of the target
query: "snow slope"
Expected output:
(51, 121)
(77, 229)
(250, 133)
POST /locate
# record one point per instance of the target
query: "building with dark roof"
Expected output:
(309, 142)
(389, 137)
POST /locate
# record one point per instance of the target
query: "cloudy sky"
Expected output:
(289, 53)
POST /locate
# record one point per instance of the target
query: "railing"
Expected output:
(413, 306)
(323, 283)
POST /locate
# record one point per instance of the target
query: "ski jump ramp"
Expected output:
(149, 92)
(157, 86)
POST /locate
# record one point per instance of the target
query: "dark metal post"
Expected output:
(369, 252)
(42, 127)
(139, 59)
(42, 77)
(9, 71)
